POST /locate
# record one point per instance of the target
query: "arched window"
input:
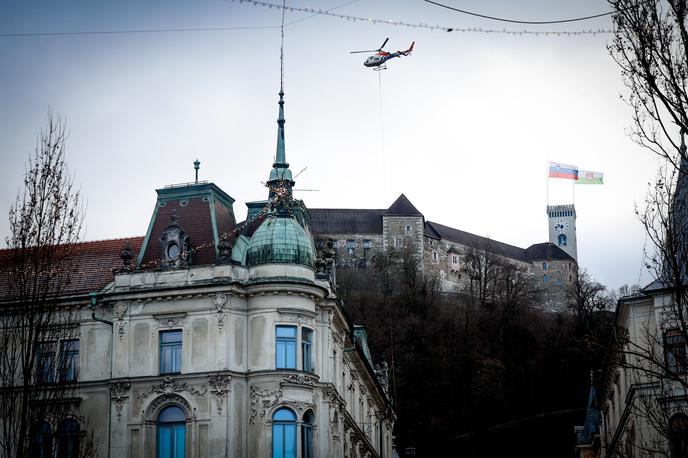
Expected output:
(171, 432)
(561, 239)
(41, 440)
(678, 435)
(307, 435)
(283, 434)
(68, 439)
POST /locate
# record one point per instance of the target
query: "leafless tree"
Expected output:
(650, 44)
(38, 332)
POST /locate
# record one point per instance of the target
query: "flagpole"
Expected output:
(547, 195)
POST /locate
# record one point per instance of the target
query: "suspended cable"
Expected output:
(424, 26)
(515, 21)
(330, 9)
(166, 30)
(382, 135)
(132, 31)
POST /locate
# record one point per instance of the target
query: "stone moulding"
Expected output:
(219, 387)
(118, 395)
(169, 386)
(262, 399)
(300, 379)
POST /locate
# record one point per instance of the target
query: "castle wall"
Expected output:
(360, 255)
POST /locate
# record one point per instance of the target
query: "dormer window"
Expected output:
(175, 244)
(172, 251)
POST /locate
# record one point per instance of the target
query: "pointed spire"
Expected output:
(280, 156)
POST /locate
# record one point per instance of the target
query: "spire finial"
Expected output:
(280, 155)
(197, 165)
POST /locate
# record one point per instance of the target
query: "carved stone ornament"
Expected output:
(220, 301)
(127, 255)
(262, 399)
(301, 379)
(120, 310)
(175, 246)
(169, 386)
(118, 395)
(219, 386)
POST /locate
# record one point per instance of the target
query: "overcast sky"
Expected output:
(470, 119)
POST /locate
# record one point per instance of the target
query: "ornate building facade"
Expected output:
(212, 339)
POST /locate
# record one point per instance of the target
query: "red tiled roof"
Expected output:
(96, 262)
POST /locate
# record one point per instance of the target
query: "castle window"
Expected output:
(170, 352)
(545, 278)
(283, 434)
(285, 347)
(455, 259)
(675, 352)
(307, 349)
(561, 240)
(397, 242)
(434, 256)
(408, 228)
(544, 265)
(366, 250)
(351, 247)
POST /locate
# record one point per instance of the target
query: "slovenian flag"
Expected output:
(587, 177)
(557, 170)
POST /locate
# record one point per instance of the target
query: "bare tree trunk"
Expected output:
(38, 335)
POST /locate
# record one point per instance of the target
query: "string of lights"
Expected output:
(516, 21)
(421, 25)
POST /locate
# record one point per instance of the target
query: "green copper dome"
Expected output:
(280, 239)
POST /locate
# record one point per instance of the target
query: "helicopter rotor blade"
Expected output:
(383, 44)
(356, 52)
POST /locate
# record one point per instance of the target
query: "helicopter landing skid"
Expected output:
(381, 67)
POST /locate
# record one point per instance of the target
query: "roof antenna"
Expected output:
(284, 9)
(197, 165)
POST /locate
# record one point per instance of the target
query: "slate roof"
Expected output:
(476, 241)
(402, 207)
(547, 251)
(95, 260)
(346, 221)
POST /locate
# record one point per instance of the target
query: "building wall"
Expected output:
(228, 386)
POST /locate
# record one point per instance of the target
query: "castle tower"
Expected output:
(562, 228)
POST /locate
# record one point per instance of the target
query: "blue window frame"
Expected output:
(69, 360)
(545, 278)
(283, 434)
(171, 433)
(41, 440)
(68, 435)
(562, 240)
(285, 347)
(307, 450)
(170, 352)
(544, 265)
(45, 362)
(307, 349)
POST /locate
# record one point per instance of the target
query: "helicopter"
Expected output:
(377, 61)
